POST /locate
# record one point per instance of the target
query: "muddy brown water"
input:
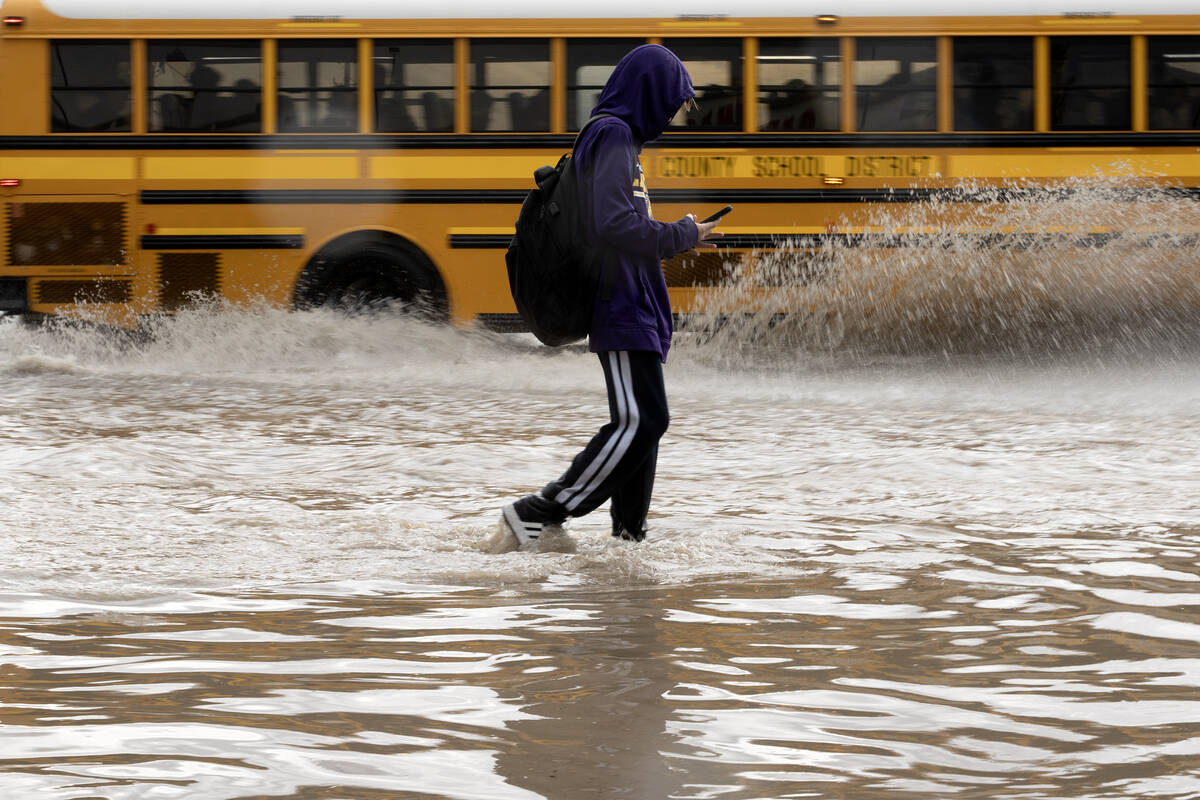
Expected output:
(239, 560)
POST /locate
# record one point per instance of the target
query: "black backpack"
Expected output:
(553, 274)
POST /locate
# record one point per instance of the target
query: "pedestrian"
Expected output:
(631, 325)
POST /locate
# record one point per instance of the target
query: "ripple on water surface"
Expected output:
(1008, 670)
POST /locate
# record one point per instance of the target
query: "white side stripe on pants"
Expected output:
(617, 445)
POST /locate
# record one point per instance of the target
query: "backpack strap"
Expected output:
(599, 116)
(596, 253)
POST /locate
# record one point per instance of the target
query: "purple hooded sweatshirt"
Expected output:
(643, 93)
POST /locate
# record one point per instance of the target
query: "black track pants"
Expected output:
(620, 460)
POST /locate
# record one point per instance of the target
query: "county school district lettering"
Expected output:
(722, 166)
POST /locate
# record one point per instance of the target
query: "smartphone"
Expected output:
(718, 215)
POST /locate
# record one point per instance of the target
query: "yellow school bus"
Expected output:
(154, 153)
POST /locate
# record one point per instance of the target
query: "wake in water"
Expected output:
(259, 446)
(1090, 264)
(1092, 271)
(252, 340)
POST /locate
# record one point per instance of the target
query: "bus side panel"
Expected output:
(24, 63)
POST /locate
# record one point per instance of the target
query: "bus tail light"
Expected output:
(10, 182)
(14, 22)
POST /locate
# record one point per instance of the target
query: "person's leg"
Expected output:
(617, 455)
(637, 405)
(631, 501)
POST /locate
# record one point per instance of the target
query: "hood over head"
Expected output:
(645, 90)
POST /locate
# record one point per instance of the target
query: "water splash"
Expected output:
(255, 341)
(1089, 264)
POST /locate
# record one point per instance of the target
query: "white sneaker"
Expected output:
(525, 530)
(513, 533)
(519, 533)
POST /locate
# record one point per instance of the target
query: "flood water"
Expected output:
(239, 560)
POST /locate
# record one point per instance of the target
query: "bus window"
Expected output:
(211, 86)
(589, 63)
(896, 84)
(318, 85)
(510, 85)
(414, 85)
(716, 69)
(1089, 83)
(799, 85)
(1174, 72)
(90, 88)
(993, 83)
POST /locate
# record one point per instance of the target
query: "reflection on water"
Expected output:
(1013, 676)
(239, 561)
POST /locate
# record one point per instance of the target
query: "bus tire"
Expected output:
(366, 275)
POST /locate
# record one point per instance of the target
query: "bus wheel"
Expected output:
(374, 277)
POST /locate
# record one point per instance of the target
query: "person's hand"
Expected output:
(707, 233)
